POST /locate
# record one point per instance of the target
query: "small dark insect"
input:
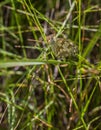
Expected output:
(63, 48)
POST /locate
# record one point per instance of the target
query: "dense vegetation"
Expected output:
(39, 90)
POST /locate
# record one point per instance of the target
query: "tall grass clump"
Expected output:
(38, 89)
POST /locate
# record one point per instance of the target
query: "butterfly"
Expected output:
(63, 48)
